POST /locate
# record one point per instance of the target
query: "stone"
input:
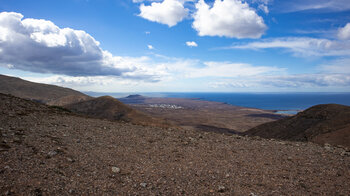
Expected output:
(344, 153)
(115, 170)
(52, 153)
(221, 189)
(143, 184)
(328, 148)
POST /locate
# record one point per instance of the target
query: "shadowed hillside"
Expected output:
(327, 123)
(45, 93)
(107, 107)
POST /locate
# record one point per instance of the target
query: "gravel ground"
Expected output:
(46, 151)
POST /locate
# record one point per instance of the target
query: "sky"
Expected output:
(178, 45)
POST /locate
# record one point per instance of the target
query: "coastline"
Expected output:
(290, 102)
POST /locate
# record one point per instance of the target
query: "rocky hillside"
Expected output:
(44, 93)
(328, 123)
(48, 151)
(107, 107)
(102, 107)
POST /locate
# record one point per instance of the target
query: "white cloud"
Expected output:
(191, 44)
(169, 12)
(150, 47)
(301, 46)
(264, 8)
(41, 46)
(229, 18)
(229, 70)
(297, 81)
(338, 66)
(303, 5)
(344, 33)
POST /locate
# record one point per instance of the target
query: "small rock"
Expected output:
(70, 160)
(344, 153)
(115, 170)
(143, 184)
(52, 153)
(290, 158)
(221, 189)
(328, 148)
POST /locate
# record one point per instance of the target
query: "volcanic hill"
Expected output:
(107, 107)
(327, 123)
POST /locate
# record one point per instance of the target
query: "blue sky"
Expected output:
(178, 45)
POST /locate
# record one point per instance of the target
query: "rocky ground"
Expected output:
(47, 151)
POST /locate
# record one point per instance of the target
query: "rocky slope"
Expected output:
(102, 107)
(328, 123)
(49, 94)
(107, 107)
(47, 151)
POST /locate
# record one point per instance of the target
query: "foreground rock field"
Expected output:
(48, 151)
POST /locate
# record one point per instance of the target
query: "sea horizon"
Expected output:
(280, 102)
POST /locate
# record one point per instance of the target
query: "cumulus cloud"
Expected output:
(344, 33)
(301, 46)
(191, 44)
(229, 18)
(169, 12)
(41, 46)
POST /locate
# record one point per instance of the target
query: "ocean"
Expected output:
(289, 103)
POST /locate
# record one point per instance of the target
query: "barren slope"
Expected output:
(107, 107)
(45, 151)
(49, 94)
(327, 123)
